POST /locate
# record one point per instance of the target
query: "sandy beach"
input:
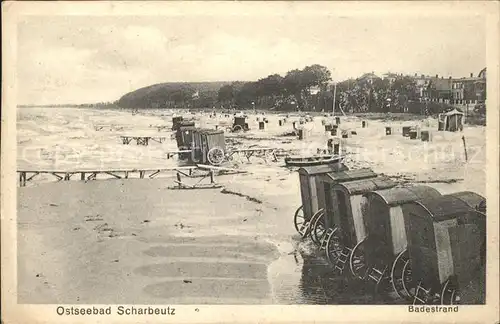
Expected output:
(136, 241)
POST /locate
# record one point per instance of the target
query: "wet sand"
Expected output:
(137, 242)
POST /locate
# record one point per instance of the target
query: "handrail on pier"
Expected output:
(91, 174)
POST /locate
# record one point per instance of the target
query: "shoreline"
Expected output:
(135, 241)
(117, 240)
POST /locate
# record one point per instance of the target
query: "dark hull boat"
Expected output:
(302, 161)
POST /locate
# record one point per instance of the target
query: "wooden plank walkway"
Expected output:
(199, 184)
(86, 175)
(249, 152)
(261, 152)
(104, 127)
(147, 173)
(110, 127)
(142, 140)
(160, 127)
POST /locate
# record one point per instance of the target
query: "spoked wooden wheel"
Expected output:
(236, 128)
(215, 156)
(357, 262)
(301, 225)
(401, 275)
(425, 295)
(318, 228)
(333, 245)
(449, 293)
(407, 282)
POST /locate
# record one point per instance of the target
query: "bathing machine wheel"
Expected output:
(237, 128)
(301, 224)
(401, 279)
(449, 292)
(216, 156)
(334, 245)
(357, 262)
(318, 226)
(409, 286)
(425, 295)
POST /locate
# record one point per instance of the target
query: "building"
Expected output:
(368, 77)
(391, 77)
(433, 88)
(438, 89)
(470, 90)
(422, 83)
(463, 93)
(456, 91)
(480, 86)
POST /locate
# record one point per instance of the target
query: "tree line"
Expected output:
(294, 91)
(277, 92)
(307, 89)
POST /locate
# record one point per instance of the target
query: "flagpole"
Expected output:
(334, 97)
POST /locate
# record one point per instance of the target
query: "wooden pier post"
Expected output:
(22, 179)
(465, 148)
(82, 176)
(179, 182)
(301, 134)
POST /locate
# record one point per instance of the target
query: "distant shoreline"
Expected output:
(108, 106)
(392, 116)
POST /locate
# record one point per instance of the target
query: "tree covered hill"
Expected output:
(173, 94)
(271, 92)
(306, 89)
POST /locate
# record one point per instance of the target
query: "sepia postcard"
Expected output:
(250, 162)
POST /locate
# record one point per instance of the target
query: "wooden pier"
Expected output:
(264, 153)
(142, 140)
(199, 184)
(88, 175)
(172, 153)
(109, 127)
(160, 127)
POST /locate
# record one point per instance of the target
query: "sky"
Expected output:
(84, 59)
